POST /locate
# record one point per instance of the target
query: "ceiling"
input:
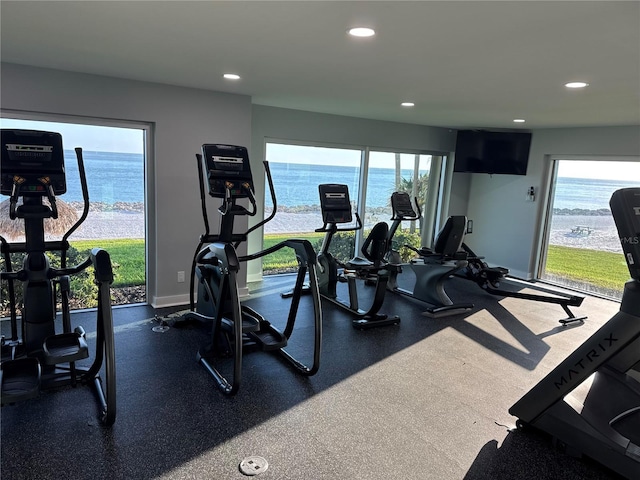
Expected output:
(465, 64)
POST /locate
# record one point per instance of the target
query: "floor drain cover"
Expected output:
(253, 465)
(160, 328)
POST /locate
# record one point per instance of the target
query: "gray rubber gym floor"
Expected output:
(427, 399)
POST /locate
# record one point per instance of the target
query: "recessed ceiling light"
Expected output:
(576, 84)
(231, 76)
(408, 104)
(518, 120)
(362, 32)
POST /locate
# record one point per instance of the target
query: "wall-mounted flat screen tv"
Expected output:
(482, 151)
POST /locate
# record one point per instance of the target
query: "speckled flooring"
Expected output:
(427, 399)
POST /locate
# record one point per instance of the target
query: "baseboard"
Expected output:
(170, 301)
(177, 300)
(520, 274)
(254, 277)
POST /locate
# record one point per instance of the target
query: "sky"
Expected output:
(343, 157)
(619, 170)
(89, 137)
(622, 170)
(131, 140)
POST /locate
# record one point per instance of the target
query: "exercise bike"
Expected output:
(432, 267)
(237, 328)
(40, 357)
(591, 401)
(336, 210)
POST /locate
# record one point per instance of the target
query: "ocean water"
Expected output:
(118, 177)
(587, 194)
(297, 184)
(111, 177)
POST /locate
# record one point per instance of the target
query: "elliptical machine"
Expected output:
(40, 358)
(237, 328)
(336, 209)
(591, 401)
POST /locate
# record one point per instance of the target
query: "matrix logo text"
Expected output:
(583, 364)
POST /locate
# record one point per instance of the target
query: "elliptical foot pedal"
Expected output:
(306, 288)
(269, 338)
(249, 324)
(447, 310)
(19, 380)
(376, 321)
(65, 347)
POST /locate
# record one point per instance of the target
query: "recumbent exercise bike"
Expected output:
(464, 263)
(432, 266)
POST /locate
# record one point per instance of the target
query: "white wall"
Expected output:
(182, 120)
(270, 123)
(507, 228)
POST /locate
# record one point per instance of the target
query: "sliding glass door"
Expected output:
(582, 249)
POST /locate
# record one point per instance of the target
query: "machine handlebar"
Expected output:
(333, 226)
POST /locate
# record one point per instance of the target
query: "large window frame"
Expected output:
(148, 174)
(436, 198)
(440, 178)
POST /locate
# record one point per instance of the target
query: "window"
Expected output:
(114, 159)
(297, 170)
(389, 172)
(372, 176)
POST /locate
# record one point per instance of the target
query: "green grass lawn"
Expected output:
(601, 269)
(284, 258)
(606, 270)
(127, 257)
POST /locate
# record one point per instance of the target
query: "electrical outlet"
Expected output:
(181, 276)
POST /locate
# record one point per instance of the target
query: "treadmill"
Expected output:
(591, 401)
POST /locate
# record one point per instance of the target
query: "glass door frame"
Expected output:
(551, 177)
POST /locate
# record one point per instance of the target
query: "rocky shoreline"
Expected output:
(593, 231)
(589, 229)
(123, 207)
(126, 220)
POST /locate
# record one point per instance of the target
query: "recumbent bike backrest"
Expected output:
(449, 239)
(375, 245)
